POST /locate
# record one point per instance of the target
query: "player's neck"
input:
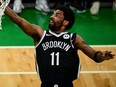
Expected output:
(58, 30)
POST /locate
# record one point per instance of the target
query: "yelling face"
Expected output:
(56, 20)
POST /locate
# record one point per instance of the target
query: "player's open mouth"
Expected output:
(51, 22)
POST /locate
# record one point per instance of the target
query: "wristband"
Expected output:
(97, 58)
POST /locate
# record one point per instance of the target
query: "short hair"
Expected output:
(68, 15)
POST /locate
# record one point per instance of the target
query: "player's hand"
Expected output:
(107, 55)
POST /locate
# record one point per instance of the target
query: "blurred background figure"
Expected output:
(47, 6)
(95, 7)
(114, 5)
(79, 5)
(18, 6)
(55, 3)
(41, 5)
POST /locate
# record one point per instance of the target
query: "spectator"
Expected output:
(18, 6)
(79, 5)
(41, 5)
(95, 7)
(114, 5)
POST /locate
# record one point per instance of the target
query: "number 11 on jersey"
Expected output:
(54, 58)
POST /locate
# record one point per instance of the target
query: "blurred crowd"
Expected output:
(79, 6)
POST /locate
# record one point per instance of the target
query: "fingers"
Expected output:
(108, 55)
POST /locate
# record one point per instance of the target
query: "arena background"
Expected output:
(17, 62)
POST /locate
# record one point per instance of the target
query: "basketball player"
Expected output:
(57, 60)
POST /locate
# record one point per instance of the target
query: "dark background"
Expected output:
(31, 3)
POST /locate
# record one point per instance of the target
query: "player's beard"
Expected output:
(54, 26)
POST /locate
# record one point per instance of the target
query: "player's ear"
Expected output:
(65, 23)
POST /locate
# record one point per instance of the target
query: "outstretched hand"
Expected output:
(107, 55)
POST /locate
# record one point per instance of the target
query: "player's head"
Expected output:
(63, 16)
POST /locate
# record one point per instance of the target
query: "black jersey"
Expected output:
(56, 57)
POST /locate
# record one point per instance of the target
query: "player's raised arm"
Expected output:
(28, 28)
(97, 56)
